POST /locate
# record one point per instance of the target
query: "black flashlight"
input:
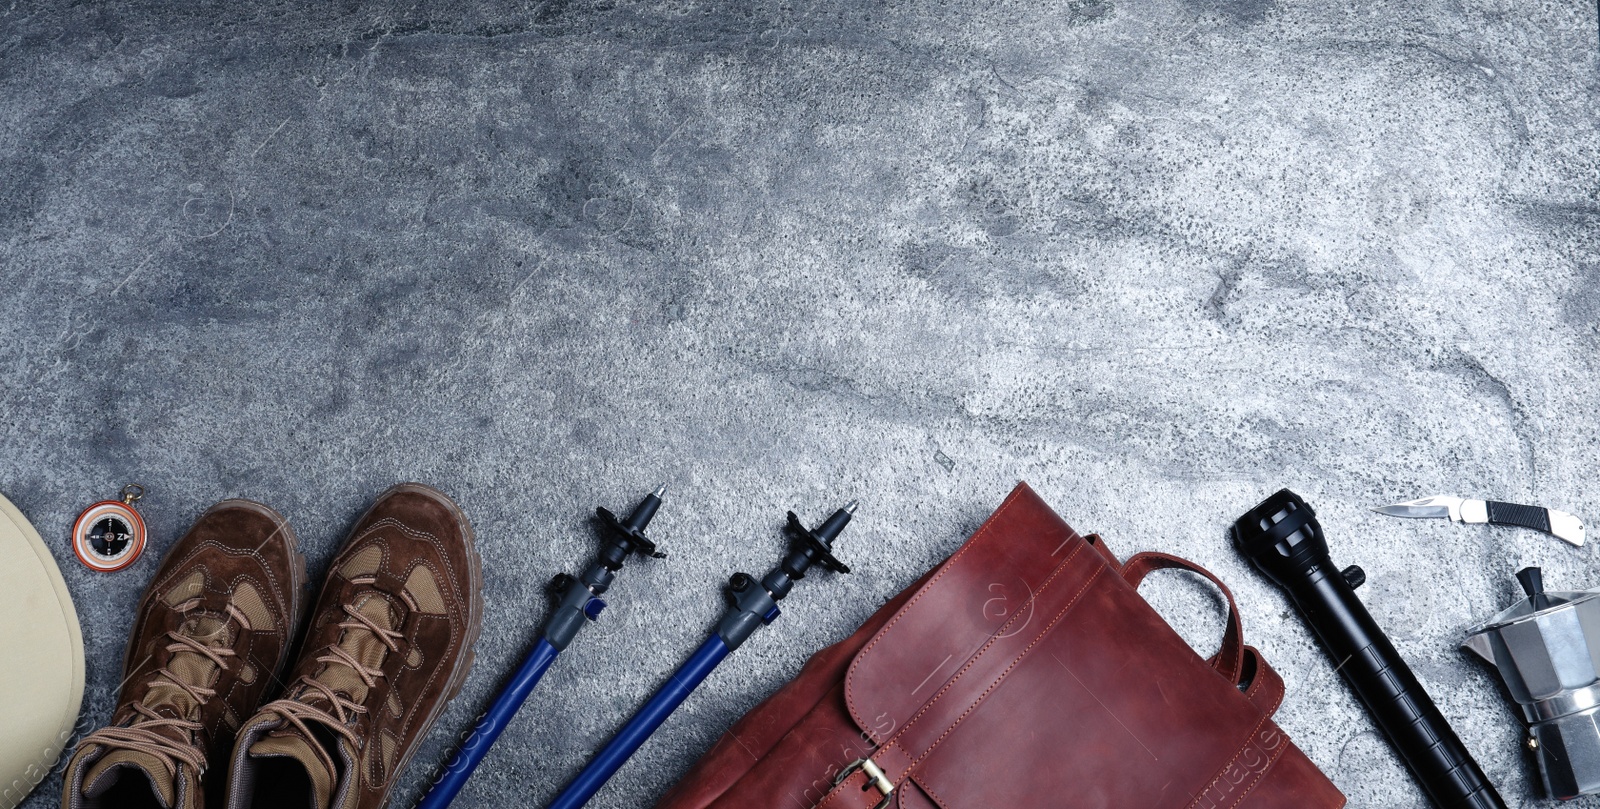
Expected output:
(1282, 539)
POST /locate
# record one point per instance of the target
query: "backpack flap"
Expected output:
(1027, 671)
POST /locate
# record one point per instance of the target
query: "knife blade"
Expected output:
(1558, 524)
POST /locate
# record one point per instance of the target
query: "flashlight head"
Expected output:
(1282, 538)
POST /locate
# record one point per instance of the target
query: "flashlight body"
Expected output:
(1282, 538)
(1385, 685)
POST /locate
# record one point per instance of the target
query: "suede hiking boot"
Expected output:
(389, 645)
(210, 636)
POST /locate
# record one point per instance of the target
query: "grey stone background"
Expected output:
(1158, 259)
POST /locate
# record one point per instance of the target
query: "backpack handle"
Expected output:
(1229, 660)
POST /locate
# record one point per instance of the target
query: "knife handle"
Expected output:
(1513, 514)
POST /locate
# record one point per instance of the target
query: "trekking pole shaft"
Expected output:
(644, 723)
(477, 744)
(578, 604)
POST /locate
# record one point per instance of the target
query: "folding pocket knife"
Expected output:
(1559, 524)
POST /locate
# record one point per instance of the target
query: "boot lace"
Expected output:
(341, 710)
(144, 732)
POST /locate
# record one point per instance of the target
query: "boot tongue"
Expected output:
(119, 764)
(368, 650)
(290, 744)
(191, 667)
(363, 646)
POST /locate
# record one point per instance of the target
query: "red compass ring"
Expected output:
(108, 535)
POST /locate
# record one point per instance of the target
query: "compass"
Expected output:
(110, 534)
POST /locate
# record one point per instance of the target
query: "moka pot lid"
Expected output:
(1525, 610)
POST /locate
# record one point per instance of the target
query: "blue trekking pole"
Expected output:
(577, 603)
(755, 604)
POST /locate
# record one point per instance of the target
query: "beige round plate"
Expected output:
(41, 659)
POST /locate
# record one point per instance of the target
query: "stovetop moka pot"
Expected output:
(1547, 651)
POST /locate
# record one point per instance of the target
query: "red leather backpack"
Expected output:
(962, 694)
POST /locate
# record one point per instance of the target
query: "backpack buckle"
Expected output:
(875, 777)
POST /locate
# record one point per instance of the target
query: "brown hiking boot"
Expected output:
(389, 644)
(211, 634)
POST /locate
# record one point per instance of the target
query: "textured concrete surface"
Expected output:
(1158, 259)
